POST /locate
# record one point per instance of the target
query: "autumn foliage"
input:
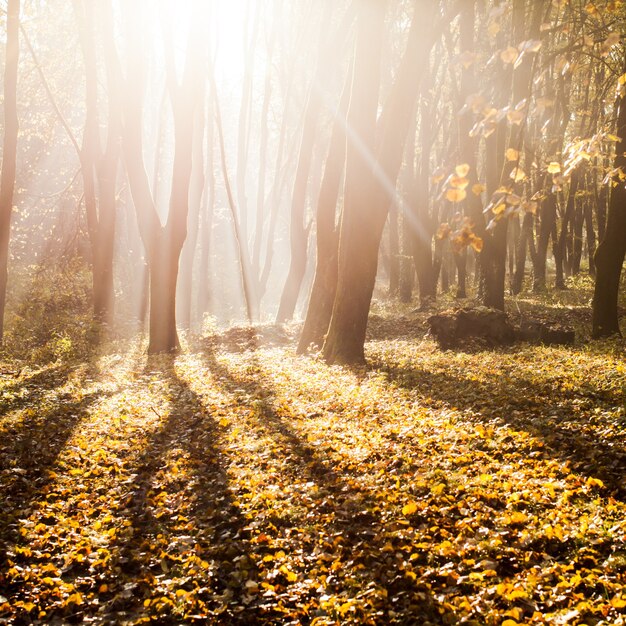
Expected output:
(238, 484)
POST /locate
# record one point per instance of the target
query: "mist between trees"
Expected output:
(265, 161)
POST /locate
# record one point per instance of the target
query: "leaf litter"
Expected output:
(238, 483)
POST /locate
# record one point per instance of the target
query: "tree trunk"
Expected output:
(163, 280)
(298, 231)
(188, 254)
(99, 167)
(520, 255)
(163, 244)
(609, 257)
(9, 148)
(368, 194)
(361, 221)
(325, 280)
(546, 223)
(561, 246)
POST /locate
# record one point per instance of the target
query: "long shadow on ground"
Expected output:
(29, 450)
(203, 547)
(341, 516)
(562, 419)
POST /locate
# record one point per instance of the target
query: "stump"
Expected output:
(482, 325)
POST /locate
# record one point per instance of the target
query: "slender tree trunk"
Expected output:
(368, 194)
(9, 148)
(298, 231)
(561, 246)
(577, 247)
(394, 251)
(188, 254)
(520, 255)
(99, 167)
(590, 234)
(163, 244)
(361, 226)
(325, 280)
(421, 221)
(609, 257)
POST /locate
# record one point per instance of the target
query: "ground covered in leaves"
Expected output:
(240, 484)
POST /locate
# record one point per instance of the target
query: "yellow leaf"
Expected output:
(515, 117)
(510, 622)
(618, 602)
(518, 175)
(444, 230)
(477, 243)
(517, 517)
(75, 598)
(344, 608)
(289, 575)
(478, 188)
(499, 208)
(512, 154)
(494, 28)
(554, 168)
(509, 55)
(459, 182)
(462, 170)
(456, 195)
(516, 613)
(409, 509)
(594, 482)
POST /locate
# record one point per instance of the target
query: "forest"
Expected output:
(311, 312)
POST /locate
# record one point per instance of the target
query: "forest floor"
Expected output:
(239, 484)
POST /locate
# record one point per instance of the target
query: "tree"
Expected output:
(163, 243)
(609, 257)
(9, 148)
(370, 180)
(327, 241)
(99, 167)
(299, 231)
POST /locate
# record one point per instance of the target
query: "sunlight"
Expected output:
(225, 23)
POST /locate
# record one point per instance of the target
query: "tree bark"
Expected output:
(325, 280)
(99, 167)
(368, 193)
(163, 243)
(298, 231)
(9, 148)
(609, 257)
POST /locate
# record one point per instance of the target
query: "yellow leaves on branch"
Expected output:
(456, 195)
(462, 170)
(456, 184)
(512, 154)
(518, 175)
